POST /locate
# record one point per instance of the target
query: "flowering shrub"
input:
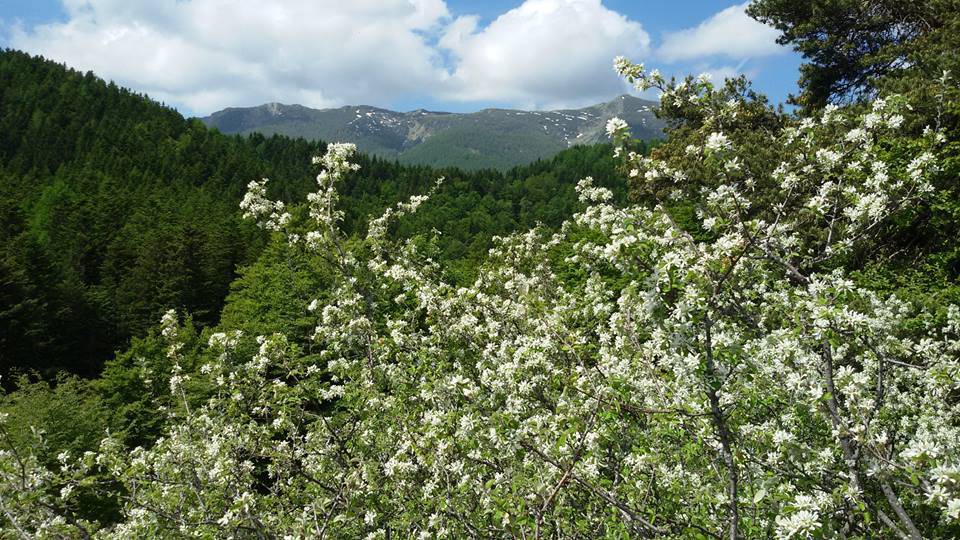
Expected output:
(736, 383)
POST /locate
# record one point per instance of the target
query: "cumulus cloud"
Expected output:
(730, 33)
(204, 55)
(542, 53)
(208, 54)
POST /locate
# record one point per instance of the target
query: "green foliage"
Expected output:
(69, 412)
(115, 208)
(852, 47)
(270, 295)
(48, 421)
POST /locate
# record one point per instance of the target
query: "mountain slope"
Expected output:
(491, 138)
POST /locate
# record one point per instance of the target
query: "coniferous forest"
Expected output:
(117, 208)
(749, 328)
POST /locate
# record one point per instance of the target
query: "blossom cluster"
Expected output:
(267, 213)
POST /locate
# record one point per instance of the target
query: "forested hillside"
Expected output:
(116, 208)
(748, 330)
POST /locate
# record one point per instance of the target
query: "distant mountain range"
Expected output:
(491, 138)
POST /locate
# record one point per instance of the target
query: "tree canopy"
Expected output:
(854, 47)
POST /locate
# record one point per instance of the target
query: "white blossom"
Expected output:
(717, 142)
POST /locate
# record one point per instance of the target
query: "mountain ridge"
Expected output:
(490, 138)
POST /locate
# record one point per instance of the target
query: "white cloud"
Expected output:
(202, 55)
(730, 33)
(209, 54)
(542, 53)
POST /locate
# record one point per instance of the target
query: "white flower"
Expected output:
(828, 158)
(732, 165)
(781, 437)
(953, 509)
(168, 324)
(620, 64)
(916, 167)
(617, 127)
(856, 135)
(799, 523)
(830, 113)
(717, 142)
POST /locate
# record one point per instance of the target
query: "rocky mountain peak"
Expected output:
(497, 138)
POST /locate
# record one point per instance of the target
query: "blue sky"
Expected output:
(459, 55)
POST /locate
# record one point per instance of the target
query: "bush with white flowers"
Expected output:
(733, 384)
